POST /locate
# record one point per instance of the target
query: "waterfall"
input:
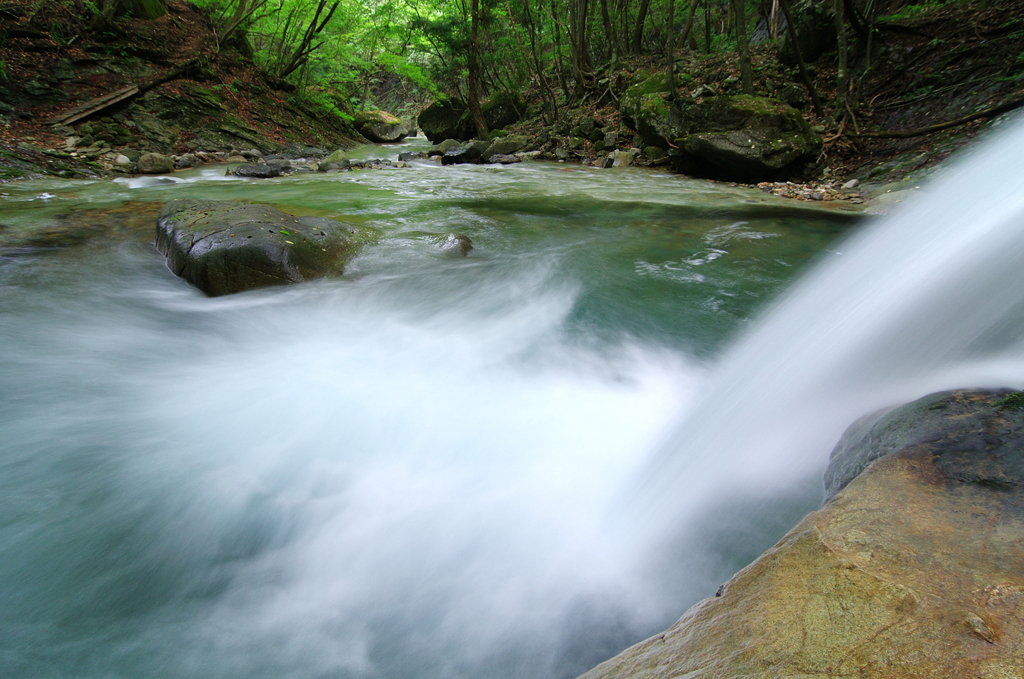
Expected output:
(928, 298)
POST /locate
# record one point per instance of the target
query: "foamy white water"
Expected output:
(418, 471)
(926, 299)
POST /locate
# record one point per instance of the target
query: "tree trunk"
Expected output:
(746, 68)
(474, 101)
(638, 30)
(670, 50)
(842, 74)
(306, 47)
(688, 28)
(791, 27)
(707, 26)
(559, 64)
(536, 62)
(609, 36)
(578, 13)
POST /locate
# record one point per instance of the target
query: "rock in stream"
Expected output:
(223, 247)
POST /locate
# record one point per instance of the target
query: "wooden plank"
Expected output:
(94, 105)
(100, 103)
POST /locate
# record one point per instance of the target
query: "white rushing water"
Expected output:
(442, 468)
(927, 299)
(334, 480)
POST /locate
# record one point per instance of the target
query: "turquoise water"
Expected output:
(410, 471)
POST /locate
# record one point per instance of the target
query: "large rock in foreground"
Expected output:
(914, 570)
(734, 138)
(223, 247)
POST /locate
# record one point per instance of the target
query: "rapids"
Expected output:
(422, 470)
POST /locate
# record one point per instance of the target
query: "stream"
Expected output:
(412, 472)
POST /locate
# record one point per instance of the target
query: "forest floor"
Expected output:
(932, 65)
(52, 61)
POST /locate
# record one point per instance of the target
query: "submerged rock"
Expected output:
(258, 171)
(443, 147)
(468, 153)
(913, 570)
(504, 159)
(223, 247)
(456, 243)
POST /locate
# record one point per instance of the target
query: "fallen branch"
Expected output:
(99, 103)
(921, 131)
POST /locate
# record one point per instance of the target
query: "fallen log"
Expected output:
(99, 103)
(938, 127)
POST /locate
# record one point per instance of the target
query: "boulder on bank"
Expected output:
(450, 118)
(446, 119)
(380, 127)
(508, 145)
(501, 110)
(913, 570)
(734, 138)
(155, 163)
(223, 247)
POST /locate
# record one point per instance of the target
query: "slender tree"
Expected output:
(670, 49)
(474, 102)
(638, 30)
(746, 68)
(791, 28)
(842, 75)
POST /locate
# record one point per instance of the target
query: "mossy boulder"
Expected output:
(380, 127)
(223, 247)
(446, 119)
(913, 570)
(155, 163)
(450, 118)
(735, 138)
(502, 109)
(504, 146)
(645, 106)
(336, 161)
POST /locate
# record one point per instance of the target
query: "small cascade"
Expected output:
(929, 298)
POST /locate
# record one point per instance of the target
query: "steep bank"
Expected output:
(919, 67)
(73, 98)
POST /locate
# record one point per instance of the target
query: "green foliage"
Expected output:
(911, 12)
(397, 55)
(317, 101)
(1014, 401)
